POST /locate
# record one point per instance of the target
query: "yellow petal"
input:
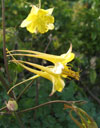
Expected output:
(50, 10)
(30, 18)
(68, 52)
(58, 84)
(43, 20)
(64, 58)
(68, 58)
(46, 69)
(40, 73)
(42, 28)
(49, 19)
(50, 26)
(32, 28)
(34, 10)
(52, 58)
(42, 12)
(25, 23)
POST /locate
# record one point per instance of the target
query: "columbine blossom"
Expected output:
(39, 20)
(54, 73)
(46, 72)
(60, 62)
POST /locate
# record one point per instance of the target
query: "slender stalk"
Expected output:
(6, 86)
(5, 57)
(50, 40)
(25, 89)
(4, 83)
(92, 95)
(39, 3)
(19, 120)
(51, 102)
(5, 113)
(3, 108)
(37, 96)
(4, 41)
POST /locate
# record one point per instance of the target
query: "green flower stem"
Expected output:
(39, 3)
(51, 102)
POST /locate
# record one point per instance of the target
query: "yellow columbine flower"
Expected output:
(53, 73)
(60, 62)
(46, 72)
(39, 20)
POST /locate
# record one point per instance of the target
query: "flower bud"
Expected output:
(12, 105)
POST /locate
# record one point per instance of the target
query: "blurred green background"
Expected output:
(76, 22)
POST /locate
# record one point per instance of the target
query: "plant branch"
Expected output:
(25, 89)
(5, 58)
(93, 96)
(3, 108)
(19, 120)
(51, 102)
(4, 41)
(4, 83)
(90, 93)
(50, 39)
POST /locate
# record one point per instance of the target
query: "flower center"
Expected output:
(58, 68)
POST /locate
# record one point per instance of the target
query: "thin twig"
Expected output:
(19, 120)
(5, 58)
(25, 89)
(50, 40)
(4, 41)
(3, 108)
(5, 113)
(4, 83)
(93, 96)
(51, 102)
(90, 93)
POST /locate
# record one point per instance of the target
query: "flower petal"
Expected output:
(50, 26)
(50, 10)
(58, 84)
(25, 23)
(34, 10)
(68, 58)
(32, 28)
